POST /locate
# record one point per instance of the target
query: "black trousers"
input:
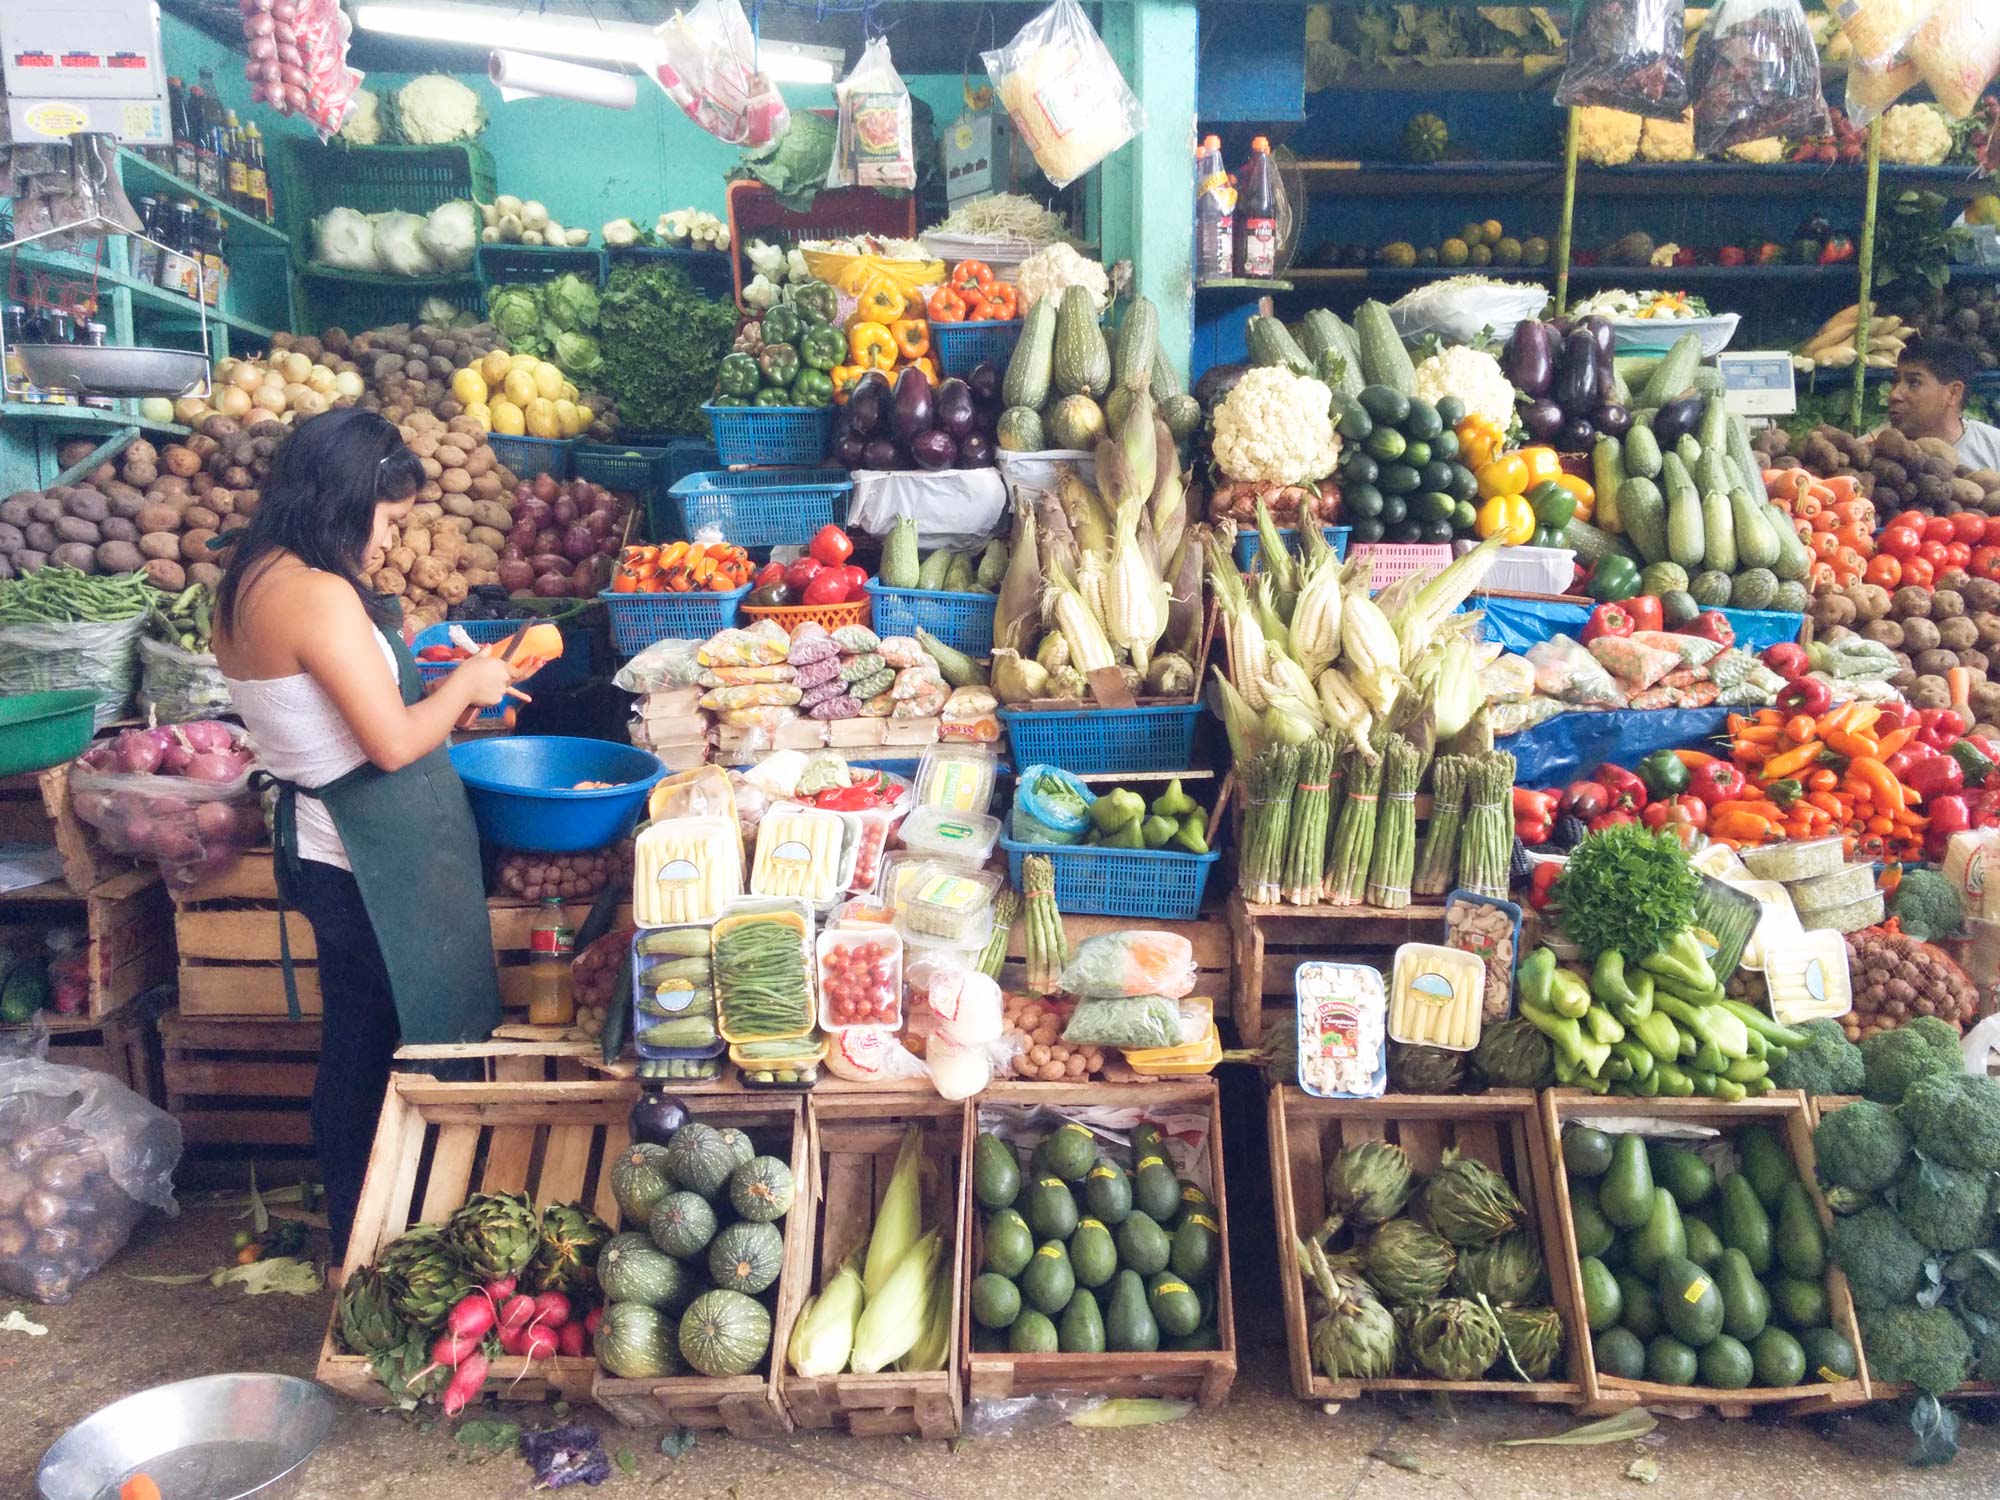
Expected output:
(359, 1036)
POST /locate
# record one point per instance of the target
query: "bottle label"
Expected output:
(239, 179)
(558, 942)
(259, 186)
(1260, 247)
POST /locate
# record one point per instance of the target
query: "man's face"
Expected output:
(1920, 405)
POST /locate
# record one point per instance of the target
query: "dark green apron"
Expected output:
(410, 838)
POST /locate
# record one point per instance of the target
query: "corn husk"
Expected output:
(1345, 708)
(1373, 655)
(1183, 633)
(823, 1340)
(1168, 507)
(897, 1221)
(1274, 559)
(1015, 610)
(933, 1348)
(1018, 678)
(894, 1318)
(1240, 720)
(1054, 540)
(1066, 606)
(1249, 650)
(1088, 520)
(1315, 629)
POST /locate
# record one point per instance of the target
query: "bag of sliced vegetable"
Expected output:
(177, 685)
(98, 658)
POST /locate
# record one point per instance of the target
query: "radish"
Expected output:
(591, 1319)
(570, 1340)
(450, 1351)
(466, 1384)
(552, 1309)
(502, 1289)
(539, 1342)
(514, 1340)
(516, 1312)
(472, 1318)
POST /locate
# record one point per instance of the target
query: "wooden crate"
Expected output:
(128, 918)
(746, 1405)
(1270, 942)
(1787, 1113)
(855, 1140)
(517, 1054)
(125, 1044)
(35, 809)
(1500, 1129)
(1203, 1375)
(240, 1082)
(1208, 936)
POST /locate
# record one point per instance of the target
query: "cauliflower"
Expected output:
(435, 109)
(1763, 153)
(364, 123)
(1607, 137)
(1665, 256)
(1916, 135)
(1276, 427)
(1667, 140)
(1473, 377)
(1049, 271)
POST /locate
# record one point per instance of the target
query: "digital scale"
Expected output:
(84, 65)
(1758, 383)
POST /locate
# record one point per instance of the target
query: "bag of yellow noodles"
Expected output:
(1064, 92)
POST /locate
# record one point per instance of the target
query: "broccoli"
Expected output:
(1921, 1346)
(1830, 1065)
(1927, 906)
(1977, 1281)
(1955, 1118)
(1861, 1147)
(1946, 1208)
(1988, 1368)
(1893, 1060)
(1883, 1261)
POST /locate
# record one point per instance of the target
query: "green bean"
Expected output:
(761, 979)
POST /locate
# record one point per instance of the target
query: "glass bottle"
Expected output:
(551, 949)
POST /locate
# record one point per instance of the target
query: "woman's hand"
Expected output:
(485, 679)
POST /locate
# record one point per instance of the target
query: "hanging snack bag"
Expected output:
(1958, 52)
(873, 147)
(1870, 91)
(1756, 74)
(1626, 55)
(707, 63)
(1064, 93)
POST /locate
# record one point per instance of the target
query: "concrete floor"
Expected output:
(119, 1335)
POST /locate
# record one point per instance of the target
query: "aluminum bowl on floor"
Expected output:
(218, 1437)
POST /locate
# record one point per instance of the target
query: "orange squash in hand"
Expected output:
(540, 645)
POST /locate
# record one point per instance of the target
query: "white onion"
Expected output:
(233, 401)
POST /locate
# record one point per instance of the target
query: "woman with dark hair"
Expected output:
(375, 839)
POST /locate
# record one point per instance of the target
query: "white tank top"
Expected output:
(301, 737)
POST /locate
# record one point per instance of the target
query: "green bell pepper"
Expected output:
(1616, 578)
(1584, 1055)
(779, 364)
(1674, 1081)
(1534, 976)
(1710, 1025)
(814, 301)
(782, 325)
(1568, 994)
(1627, 997)
(812, 388)
(1682, 962)
(1548, 536)
(1114, 810)
(775, 395)
(738, 375)
(1193, 835)
(1554, 506)
(1764, 1026)
(728, 401)
(1665, 775)
(822, 347)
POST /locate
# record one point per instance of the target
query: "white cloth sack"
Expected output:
(952, 507)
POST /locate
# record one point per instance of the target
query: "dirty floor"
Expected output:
(120, 1335)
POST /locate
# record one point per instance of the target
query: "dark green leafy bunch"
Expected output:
(661, 342)
(1626, 890)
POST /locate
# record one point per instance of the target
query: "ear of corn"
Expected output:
(823, 1341)
(896, 1221)
(893, 1319)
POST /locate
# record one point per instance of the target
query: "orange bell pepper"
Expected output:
(971, 278)
(947, 305)
(999, 303)
(912, 336)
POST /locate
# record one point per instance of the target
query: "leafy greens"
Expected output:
(1626, 890)
(661, 341)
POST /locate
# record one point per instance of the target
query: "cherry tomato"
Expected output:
(1918, 573)
(1937, 528)
(1968, 526)
(1901, 540)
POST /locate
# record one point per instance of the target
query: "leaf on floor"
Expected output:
(628, 1461)
(675, 1441)
(488, 1435)
(1633, 1422)
(1645, 1469)
(1131, 1411)
(279, 1273)
(18, 1322)
(1396, 1458)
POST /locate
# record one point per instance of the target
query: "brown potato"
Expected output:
(194, 544)
(166, 574)
(182, 460)
(201, 516)
(160, 544)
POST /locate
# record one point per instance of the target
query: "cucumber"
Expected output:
(1642, 452)
(1719, 532)
(930, 575)
(1138, 342)
(1689, 450)
(1714, 427)
(1642, 510)
(1794, 562)
(1607, 473)
(1685, 533)
(1674, 373)
(1384, 360)
(1271, 343)
(1756, 542)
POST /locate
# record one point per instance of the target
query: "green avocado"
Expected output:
(1682, 1173)
(1033, 1333)
(1766, 1163)
(1704, 1246)
(1726, 1364)
(996, 1301)
(1067, 1152)
(1050, 1208)
(1603, 1303)
(1594, 1234)
(1129, 1325)
(1798, 1303)
(1107, 1192)
(1050, 1281)
(1642, 1309)
(1745, 1225)
(996, 1175)
(1620, 1352)
(1670, 1362)
(1746, 1306)
(1081, 1330)
(1009, 1243)
(1142, 1245)
(1196, 1249)
(1779, 1358)
(1586, 1152)
(1689, 1301)
(1659, 1237)
(1625, 1192)
(1092, 1254)
(1801, 1243)
(1156, 1192)
(1174, 1305)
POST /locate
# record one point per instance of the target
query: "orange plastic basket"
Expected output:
(792, 616)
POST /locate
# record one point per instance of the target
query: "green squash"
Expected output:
(640, 1179)
(630, 1270)
(761, 1189)
(682, 1224)
(636, 1342)
(746, 1257)
(701, 1157)
(725, 1333)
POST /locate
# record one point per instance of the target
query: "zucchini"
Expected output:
(1081, 364)
(1794, 562)
(1756, 543)
(1642, 511)
(1384, 360)
(1166, 381)
(1593, 544)
(1674, 373)
(954, 666)
(1271, 343)
(1719, 532)
(1138, 343)
(1685, 540)
(1029, 370)
(1607, 473)
(1321, 330)
(1714, 425)
(1642, 452)
(930, 576)
(1738, 439)
(1709, 381)
(1689, 450)
(1182, 414)
(695, 1031)
(1711, 473)
(674, 942)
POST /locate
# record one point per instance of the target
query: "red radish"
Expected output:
(516, 1312)
(591, 1319)
(472, 1318)
(502, 1289)
(450, 1351)
(539, 1342)
(466, 1384)
(552, 1309)
(514, 1340)
(570, 1339)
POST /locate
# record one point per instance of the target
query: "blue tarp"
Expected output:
(1559, 750)
(1518, 624)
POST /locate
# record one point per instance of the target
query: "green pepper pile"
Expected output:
(787, 357)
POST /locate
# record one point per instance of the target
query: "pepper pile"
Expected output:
(973, 295)
(789, 356)
(681, 568)
(887, 333)
(1525, 498)
(823, 576)
(1674, 791)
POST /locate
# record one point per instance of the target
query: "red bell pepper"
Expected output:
(1613, 818)
(1936, 777)
(1607, 620)
(802, 572)
(770, 573)
(1948, 815)
(1712, 625)
(1986, 811)
(828, 586)
(1682, 809)
(1890, 717)
(1907, 759)
(1717, 781)
(1586, 799)
(1788, 659)
(1531, 805)
(1645, 612)
(831, 547)
(1804, 695)
(1942, 727)
(1627, 791)
(1542, 883)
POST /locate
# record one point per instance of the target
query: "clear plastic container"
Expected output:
(797, 915)
(949, 903)
(957, 778)
(1178, 1062)
(962, 838)
(673, 994)
(872, 830)
(1806, 860)
(1777, 919)
(926, 958)
(685, 870)
(1491, 929)
(863, 912)
(800, 852)
(860, 979)
(1342, 1014)
(1807, 977)
(899, 868)
(1436, 997)
(770, 1065)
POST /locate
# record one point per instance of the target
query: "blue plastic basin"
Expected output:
(519, 787)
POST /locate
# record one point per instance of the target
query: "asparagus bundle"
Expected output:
(1395, 851)
(1305, 840)
(1488, 844)
(1048, 948)
(1269, 778)
(1439, 862)
(1354, 838)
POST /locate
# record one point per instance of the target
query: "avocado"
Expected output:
(1092, 1255)
(1032, 1333)
(1067, 1152)
(1689, 1301)
(1778, 1358)
(1594, 1233)
(1801, 1243)
(1746, 1306)
(1129, 1326)
(1197, 1247)
(1081, 1330)
(1142, 1245)
(1681, 1172)
(1049, 1208)
(1670, 1362)
(1174, 1305)
(1207, 1336)
(1603, 1303)
(996, 1301)
(1799, 1304)
(1726, 1364)
(1156, 1192)
(1107, 1192)
(1620, 1352)
(1829, 1357)
(1049, 1282)
(1009, 1243)
(1147, 1141)
(1625, 1192)
(1193, 1201)
(1642, 1308)
(1765, 1162)
(1660, 1236)
(996, 1175)
(1704, 1246)
(1745, 1225)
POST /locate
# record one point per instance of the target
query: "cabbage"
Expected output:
(345, 240)
(578, 356)
(440, 313)
(451, 234)
(434, 109)
(516, 314)
(570, 303)
(399, 239)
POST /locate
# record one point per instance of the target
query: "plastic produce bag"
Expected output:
(98, 658)
(1870, 91)
(1131, 963)
(180, 796)
(1627, 55)
(1879, 29)
(707, 65)
(1064, 92)
(177, 685)
(1050, 807)
(1567, 671)
(83, 1158)
(1958, 52)
(873, 147)
(1756, 74)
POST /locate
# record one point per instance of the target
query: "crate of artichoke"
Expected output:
(1413, 1245)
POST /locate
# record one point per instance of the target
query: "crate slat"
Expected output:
(239, 1082)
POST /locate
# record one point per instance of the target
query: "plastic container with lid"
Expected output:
(957, 778)
(1184, 1061)
(962, 838)
(899, 868)
(801, 852)
(925, 958)
(1436, 997)
(774, 1065)
(862, 912)
(1807, 977)
(872, 828)
(1806, 860)
(1777, 919)
(797, 916)
(860, 978)
(1342, 1014)
(950, 903)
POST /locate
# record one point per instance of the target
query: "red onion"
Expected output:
(534, 510)
(175, 846)
(552, 586)
(523, 535)
(564, 511)
(599, 523)
(284, 11)
(287, 53)
(545, 487)
(517, 574)
(214, 765)
(139, 750)
(578, 543)
(93, 807)
(259, 24)
(262, 47)
(549, 562)
(523, 491)
(214, 822)
(209, 734)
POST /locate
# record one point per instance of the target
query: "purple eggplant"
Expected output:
(985, 381)
(1678, 417)
(953, 410)
(934, 448)
(850, 450)
(1576, 387)
(1543, 419)
(880, 453)
(1529, 361)
(1577, 434)
(975, 450)
(863, 412)
(911, 411)
(1611, 419)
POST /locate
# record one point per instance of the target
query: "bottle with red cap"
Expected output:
(1257, 214)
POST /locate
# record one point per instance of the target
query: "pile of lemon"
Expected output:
(517, 395)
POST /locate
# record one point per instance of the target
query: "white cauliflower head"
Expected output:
(1474, 378)
(1916, 135)
(1277, 427)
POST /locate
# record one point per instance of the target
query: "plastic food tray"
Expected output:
(1311, 1014)
(850, 937)
(764, 906)
(641, 1019)
(636, 470)
(1513, 910)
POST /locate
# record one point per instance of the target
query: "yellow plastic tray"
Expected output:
(1170, 1062)
(790, 919)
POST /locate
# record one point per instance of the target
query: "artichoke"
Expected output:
(1534, 1338)
(1355, 1338)
(1415, 1069)
(1514, 1055)
(368, 1322)
(566, 1259)
(1455, 1339)
(424, 1277)
(494, 1235)
(1406, 1262)
(1469, 1203)
(1367, 1184)
(1507, 1272)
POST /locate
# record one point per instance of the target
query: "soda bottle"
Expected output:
(551, 948)
(1257, 214)
(1214, 214)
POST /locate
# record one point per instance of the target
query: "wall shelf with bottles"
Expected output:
(142, 174)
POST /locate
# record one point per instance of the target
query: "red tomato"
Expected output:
(1884, 569)
(831, 546)
(1937, 528)
(1901, 540)
(1968, 526)
(1986, 563)
(1918, 572)
(1957, 554)
(1932, 552)
(1993, 528)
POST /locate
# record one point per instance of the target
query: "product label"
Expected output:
(1697, 1289)
(1831, 1377)
(1169, 1286)
(1053, 1182)
(673, 999)
(1193, 1194)
(1205, 1222)
(557, 941)
(239, 179)
(1150, 1161)
(260, 184)
(1053, 1252)
(1260, 247)
(953, 893)
(1100, 1170)
(792, 852)
(678, 872)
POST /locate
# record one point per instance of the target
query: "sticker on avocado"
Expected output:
(1205, 1222)
(1831, 1377)
(1149, 1161)
(1697, 1289)
(1053, 1252)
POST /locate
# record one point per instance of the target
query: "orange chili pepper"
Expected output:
(1880, 825)
(1745, 826)
(1878, 779)
(1694, 760)
(1827, 802)
(1780, 766)
(1846, 742)
(1799, 728)
(1822, 781)
(1759, 734)
(1893, 741)
(1768, 811)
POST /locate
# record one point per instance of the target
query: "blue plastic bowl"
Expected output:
(519, 787)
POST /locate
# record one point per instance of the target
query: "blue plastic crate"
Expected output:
(1156, 884)
(1248, 545)
(529, 456)
(638, 620)
(770, 434)
(572, 667)
(960, 346)
(636, 469)
(962, 621)
(764, 508)
(1090, 741)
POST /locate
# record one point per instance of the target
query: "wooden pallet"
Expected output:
(241, 1083)
(855, 1141)
(1501, 1129)
(35, 809)
(1787, 1113)
(1270, 942)
(129, 921)
(746, 1405)
(1203, 1375)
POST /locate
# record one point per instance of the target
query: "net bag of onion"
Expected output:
(179, 795)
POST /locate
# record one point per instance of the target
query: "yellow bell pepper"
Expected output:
(872, 346)
(1586, 497)
(845, 378)
(1543, 464)
(1508, 517)
(929, 369)
(1505, 475)
(882, 302)
(1479, 442)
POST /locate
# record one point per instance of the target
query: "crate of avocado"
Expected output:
(1099, 1259)
(1417, 1252)
(1695, 1238)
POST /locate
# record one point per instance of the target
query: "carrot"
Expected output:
(1842, 486)
(1959, 681)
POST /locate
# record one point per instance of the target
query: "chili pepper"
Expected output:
(1785, 791)
(946, 306)
(912, 336)
(1630, 996)
(1568, 994)
(1839, 250)
(1625, 788)
(1680, 962)
(1606, 621)
(1786, 762)
(1716, 783)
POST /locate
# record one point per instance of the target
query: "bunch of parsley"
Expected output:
(1626, 889)
(662, 342)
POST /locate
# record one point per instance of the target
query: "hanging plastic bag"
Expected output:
(1064, 92)
(1879, 30)
(1756, 74)
(1870, 91)
(1627, 55)
(873, 148)
(102, 658)
(708, 66)
(177, 685)
(1958, 52)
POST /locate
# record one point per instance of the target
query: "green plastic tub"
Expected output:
(44, 729)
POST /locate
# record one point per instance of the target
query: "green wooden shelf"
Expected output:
(157, 301)
(384, 278)
(69, 415)
(137, 170)
(1639, 179)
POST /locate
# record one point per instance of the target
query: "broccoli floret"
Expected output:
(1883, 1261)
(1893, 1060)
(1921, 1346)
(1988, 1367)
(1928, 906)
(1955, 1118)
(1861, 1147)
(1946, 1208)
(1830, 1065)
(1977, 1285)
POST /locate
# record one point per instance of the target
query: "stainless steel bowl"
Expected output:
(219, 1437)
(113, 370)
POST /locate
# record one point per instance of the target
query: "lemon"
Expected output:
(541, 418)
(508, 419)
(495, 366)
(1491, 231)
(548, 381)
(1402, 253)
(481, 413)
(1473, 234)
(468, 385)
(520, 387)
(1482, 255)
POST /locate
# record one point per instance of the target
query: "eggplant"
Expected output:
(953, 410)
(985, 380)
(1576, 387)
(934, 448)
(849, 449)
(1529, 361)
(863, 413)
(881, 453)
(1678, 417)
(1543, 419)
(1577, 434)
(657, 1116)
(1611, 419)
(1562, 327)
(1216, 382)
(1602, 332)
(975, 450)
(911, 411)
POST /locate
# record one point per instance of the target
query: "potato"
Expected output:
(18, 509)
(158, 517)
(1888, 632)
(389, 581)
(41, 536)
(236, 477)
(104, 473)
(429, 573)
(11, 540)
(1935, 663)
(194, 544)
(431, 492)
(126, 502)
(1920, 635)
(201, 517)
(221, 501)
(1910, 603)
(1928, 692)
(451, 455)
(166, 574)
(418, 540)
(182, 460)
(220, 427)
(71, 529)
(206, 574)
(1974, 661)
(117, 529)
(47, 509)
(246, 502)
(28, 559)
(432, 468)
(488, 513)
(74, 451)
(427, 511)
(478, 461)
(201, 484)
(234, 523)
(87, 505)
(160, 544)
(489, 486)
(455, 481)
(487, 536)
(480, 558)
(119, 557)
(168, 489)
(1947, 604)
(1957, 634)
(1870, 602)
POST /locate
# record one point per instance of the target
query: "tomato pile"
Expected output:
(862, 983)
(1914, 548)
(823, 576)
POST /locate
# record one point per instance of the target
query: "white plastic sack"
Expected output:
(1458, 314)
(873, 147)
(707, 65)
(952, 507)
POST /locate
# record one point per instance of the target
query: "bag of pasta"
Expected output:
(1626, 55)
(1064, 92)
(1878, 30)
(1756, 74)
